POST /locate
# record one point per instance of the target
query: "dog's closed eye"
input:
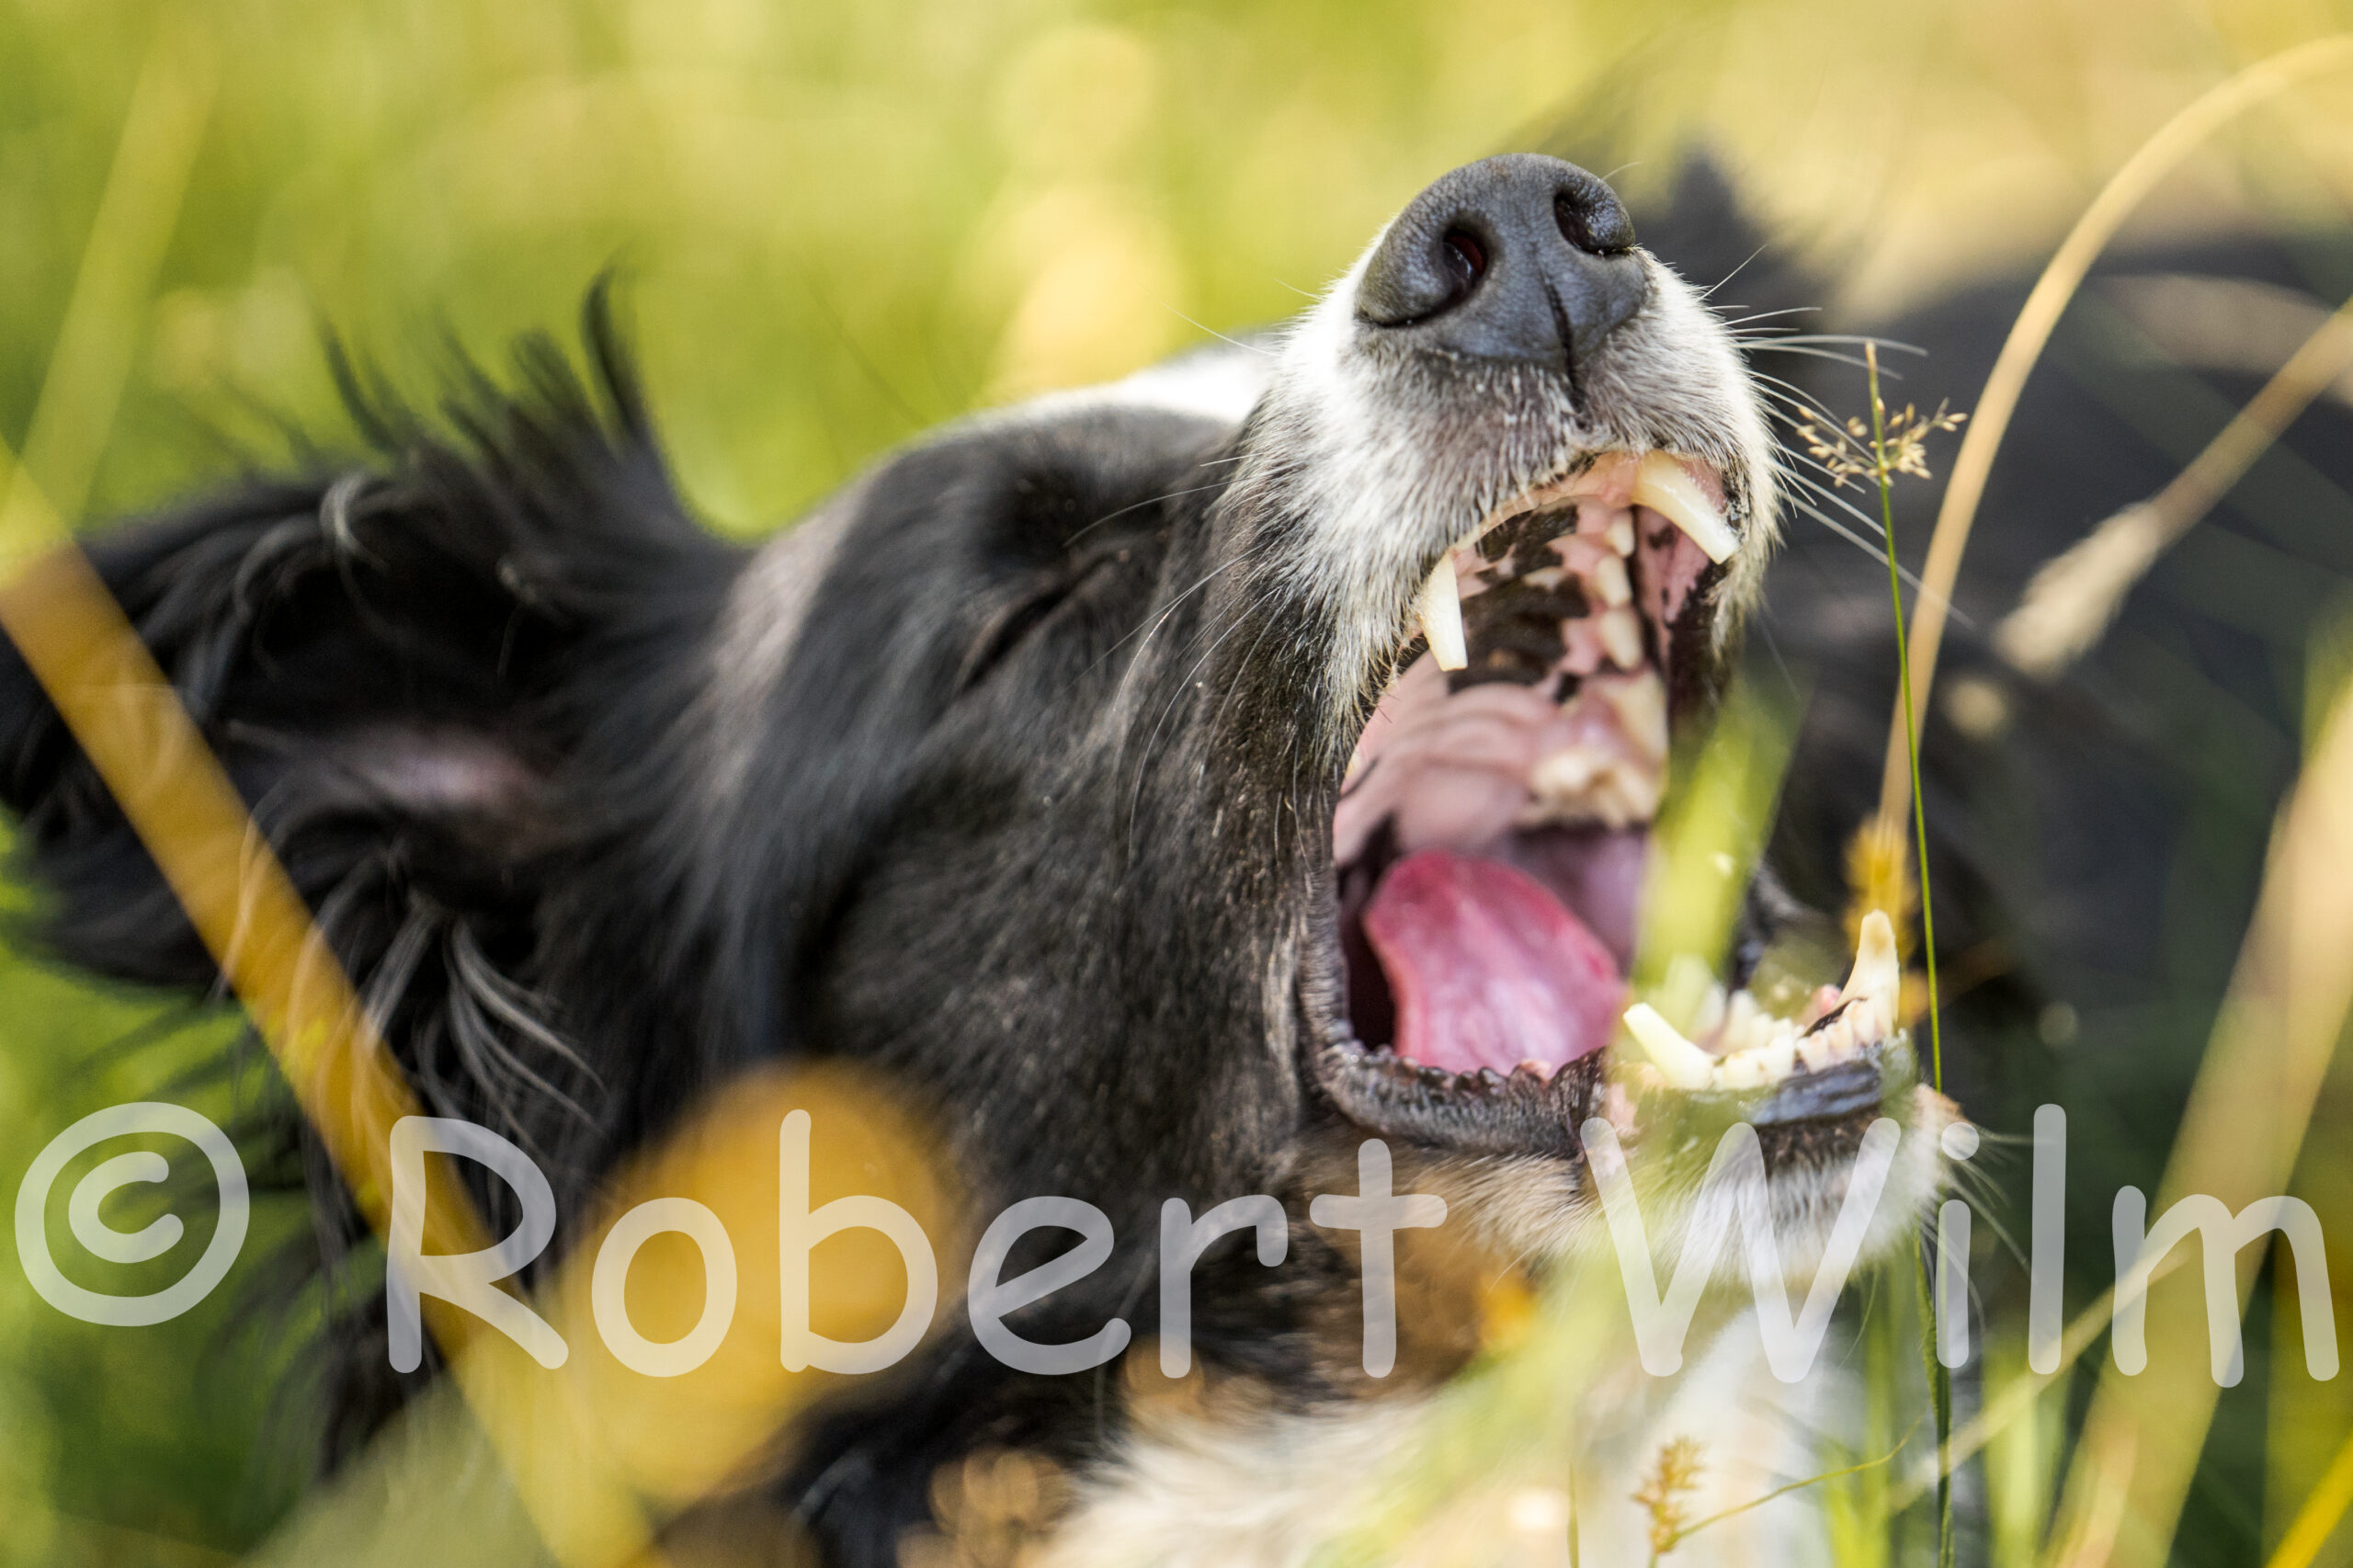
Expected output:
(1026, 606)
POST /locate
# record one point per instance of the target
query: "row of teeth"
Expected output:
(1661, 483)
(1617, 785)
(1753, 1050)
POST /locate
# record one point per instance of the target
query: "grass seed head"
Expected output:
(1666, 1492)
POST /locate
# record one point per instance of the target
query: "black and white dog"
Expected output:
(1169, 785)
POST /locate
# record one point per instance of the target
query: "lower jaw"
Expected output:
(1839, 1071)
(1485, 1112)
(1819, 1113)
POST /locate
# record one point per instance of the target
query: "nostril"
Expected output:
(1596, 226)
(1465, 259)
(1517, 257)
(1422, 270)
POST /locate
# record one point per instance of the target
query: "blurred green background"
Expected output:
(843, 224)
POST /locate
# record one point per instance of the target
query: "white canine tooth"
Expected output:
(1667, 488)
(1780, 1052)
(1681, 1064)
(1813, 1050)
(1609, 580)
(1441, 612)
(1621, 533)
(1877, 972)
(1621, 630)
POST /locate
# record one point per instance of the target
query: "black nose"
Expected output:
(1519, 258)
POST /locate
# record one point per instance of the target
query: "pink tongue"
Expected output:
(1487, 969)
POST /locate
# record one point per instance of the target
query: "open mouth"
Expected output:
(1493, 835)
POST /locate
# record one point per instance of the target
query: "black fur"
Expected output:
(1027, 818)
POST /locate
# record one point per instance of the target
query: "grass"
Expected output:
(1879, 452)
(2126, 1484)
(844, 226)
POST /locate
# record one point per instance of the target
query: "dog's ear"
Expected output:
(409, 668)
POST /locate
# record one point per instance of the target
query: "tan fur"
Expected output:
(1219, 1473)
(1230, 1484)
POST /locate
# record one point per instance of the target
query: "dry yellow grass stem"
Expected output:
(2071, 601)
(2319, 1515)
(2156, 158)
(579, 1448)
(2248, 1109)
(584, 1448)
(128, 720)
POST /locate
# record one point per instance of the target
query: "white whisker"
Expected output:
(1766, 315)
(1710, 292)
(1252, 347)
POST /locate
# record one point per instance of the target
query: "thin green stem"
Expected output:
(1940, 1377)
(1939, 1400)
(1688, 1531)
(1882, 471)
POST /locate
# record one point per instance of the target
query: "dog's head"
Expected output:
(1164, 782)
(1271, 741)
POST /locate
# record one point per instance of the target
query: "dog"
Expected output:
(1169, 786)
